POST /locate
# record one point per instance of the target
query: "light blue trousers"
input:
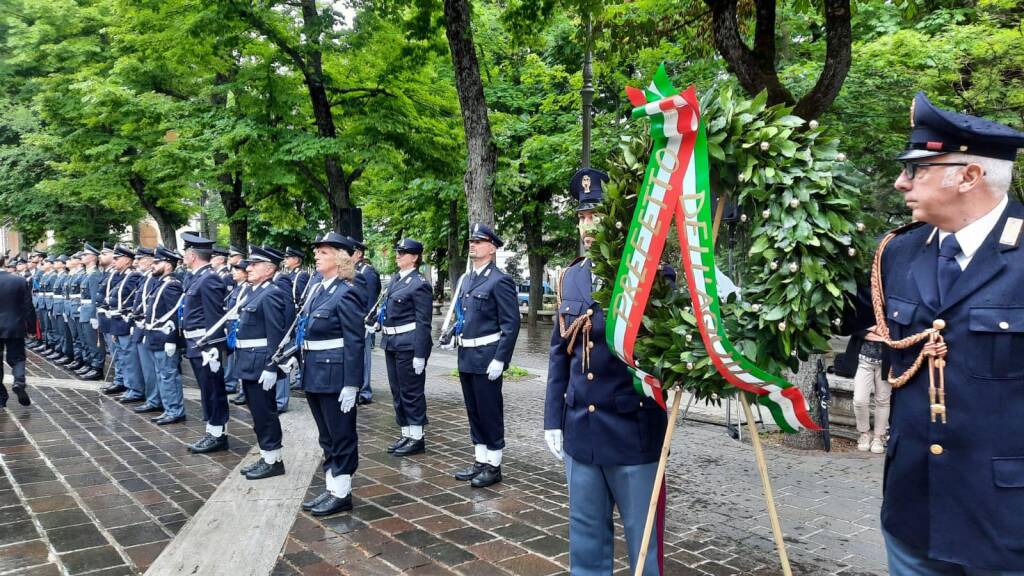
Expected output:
(907, 561)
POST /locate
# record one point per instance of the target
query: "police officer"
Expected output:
(91, 285)
(202, 308)
(162, 339)
(485, 333)
(124, 283)
(219, 263)
(954, 467)
(144, 261)
(235, 255)
(262, 323)
(36, 263)
(404, 319)
(106, 284)
(332, 364)
(299, 277)
(58, 325)
(16, 314)
(238, 289)
(74, 307)
(371, 280)
(608, 434)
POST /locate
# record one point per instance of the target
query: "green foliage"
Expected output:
(799, 206)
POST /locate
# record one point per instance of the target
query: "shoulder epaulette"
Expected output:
(578, 260)
(906, 228)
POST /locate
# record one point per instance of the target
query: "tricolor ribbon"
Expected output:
(676, 189)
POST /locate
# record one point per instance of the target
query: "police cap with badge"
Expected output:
(336, 240)
(587, 187)
(935, 131)
(483, 233)
(290, 252)
(235, 251)
(163, 254)
(122, 251)
(90, 249)
(266, 254)
(408, 246)
(195, 241)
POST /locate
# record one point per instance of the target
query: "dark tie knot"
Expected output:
(949, 247)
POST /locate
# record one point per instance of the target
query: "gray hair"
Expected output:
(998, 173)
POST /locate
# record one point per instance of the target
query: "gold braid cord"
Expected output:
(581, 324)
(935, 349)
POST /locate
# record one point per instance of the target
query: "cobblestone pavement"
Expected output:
(89, 487)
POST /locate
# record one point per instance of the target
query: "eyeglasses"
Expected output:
(910, 168)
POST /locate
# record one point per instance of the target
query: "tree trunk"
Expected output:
(456, 256)
(804, 379)
(481, 160)
(533, 231)
(236, 210)
(166, 224)
(755, 68)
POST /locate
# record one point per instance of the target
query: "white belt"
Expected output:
(58, 297)
(113, 313)
(314, 345)
(84, 301)
(481, 341)
(50, 294)
(197, 333)
(254, 343)
(391, 331)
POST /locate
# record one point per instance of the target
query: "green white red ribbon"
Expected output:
(676, 189)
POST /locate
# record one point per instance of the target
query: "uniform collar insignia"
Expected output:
(1011, 232)
(332, 288)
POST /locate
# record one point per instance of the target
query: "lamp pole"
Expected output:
(587, 92)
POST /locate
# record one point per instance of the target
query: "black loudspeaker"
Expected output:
(352, 223)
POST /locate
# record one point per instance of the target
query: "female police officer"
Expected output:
(404, 318)
(332, 371)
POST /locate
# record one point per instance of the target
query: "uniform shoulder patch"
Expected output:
(578, 260)
(906, 228)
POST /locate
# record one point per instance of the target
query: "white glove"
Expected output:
(348, 398)
(418, 364)
(95, 323)
(448, 346)
(494, 369)
(167, 328)
(268, 380)
(211, 357)
(370, 329)
(288, 366)
(170, 348)
(554, 440)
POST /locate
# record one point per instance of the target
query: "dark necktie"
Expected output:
(948, 267)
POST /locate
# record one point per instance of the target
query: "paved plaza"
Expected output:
(88, 487)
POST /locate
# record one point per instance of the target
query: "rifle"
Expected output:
(821, 392)
(371, 317)
(448, 329)
(283, 350)
(218, 325)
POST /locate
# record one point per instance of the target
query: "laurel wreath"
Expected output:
(796, 248)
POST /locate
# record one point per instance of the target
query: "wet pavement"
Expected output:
(88, 487)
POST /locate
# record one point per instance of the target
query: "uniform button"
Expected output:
(590, 344)
(590, 312)
(936, 449)
(591, 408)
(565, 395)
(896, 314)
(1004, 325)
(641, 403)
(590, 375)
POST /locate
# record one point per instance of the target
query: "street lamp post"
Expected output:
(587, 92)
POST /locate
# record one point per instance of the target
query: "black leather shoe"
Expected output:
(411, 447)
(53, 355)
(95, 375)
(76, 366)
(240, 400)
(165, 420)
(131, 400)
(66, 361)
(83, 369)
(398, 444)
(264, 470)
(310, 504)
(146, 409)
(490, 475)
(250, 466)
(332, 505)
(210, 443)
(19, 390)
(364, 401)
(471, 472)
(112, 389)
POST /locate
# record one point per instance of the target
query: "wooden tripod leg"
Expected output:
(769, 497)
(652, 510)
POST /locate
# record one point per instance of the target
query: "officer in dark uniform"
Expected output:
(372, 282)
(262, 323)
(162, 337)
(36, 270)
(202, 308)
(44, 303)
(953, 490)
(219, 263)
(58, 325)
(16, 315)
(485, 333)
(332, 365)
(404, 319)
(88, 322)
(74, 311)
(238, 290)
(609, 434)
(124, 284)
(235, 255)
(299, 277)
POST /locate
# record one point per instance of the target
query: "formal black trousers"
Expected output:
(211, 389)
(263, 407)
(407, 388)
(485, 408)
(15, 356)
(337, 431)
